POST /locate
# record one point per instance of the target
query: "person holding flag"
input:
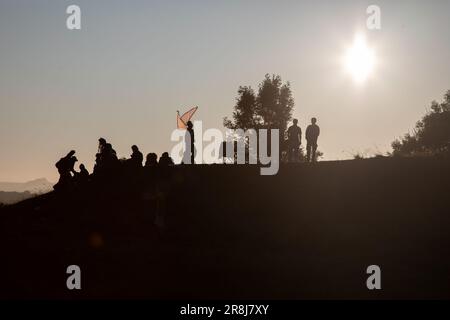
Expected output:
(184, 122)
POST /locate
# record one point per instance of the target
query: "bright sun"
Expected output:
(359, 60)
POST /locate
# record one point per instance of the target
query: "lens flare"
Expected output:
(359, 60)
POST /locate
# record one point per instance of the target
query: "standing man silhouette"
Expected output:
(136, 157)
(101, 145)
(189, 153)
(294, 141)
(312, 133)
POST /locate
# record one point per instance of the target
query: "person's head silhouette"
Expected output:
(313, 120)
(152, 159)
(82, 167)
(295, 121)
(101, 141)
(135, 148)
(190, 125)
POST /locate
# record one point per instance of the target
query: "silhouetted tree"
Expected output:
(431, 134)
(270, 109)
(244, 114)
(274, 103)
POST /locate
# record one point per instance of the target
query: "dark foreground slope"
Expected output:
(308, 232)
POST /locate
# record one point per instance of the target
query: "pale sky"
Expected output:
(134, 63)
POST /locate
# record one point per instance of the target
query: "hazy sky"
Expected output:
(134, 63)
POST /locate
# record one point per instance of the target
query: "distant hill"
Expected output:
(12, 192)
(34, 186)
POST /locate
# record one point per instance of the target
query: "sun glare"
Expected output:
(359, 60)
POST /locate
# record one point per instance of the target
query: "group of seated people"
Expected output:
(106, 163)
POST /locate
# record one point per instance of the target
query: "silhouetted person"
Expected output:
(294, 141)
(189, 153)
(162, 188)
(82, 176)
(83, 171)
(101, 145)
(110, 151)
(136, 157)
(151, 169)
(66, 164)
(98, 164)
(98, 155)
(312, 133)
(106, 160)
(71, 164)
(151, 160)
(223, 151)
(230, 146)
(165, 160)
(65, 168)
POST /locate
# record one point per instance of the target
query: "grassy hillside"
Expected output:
(308, 232)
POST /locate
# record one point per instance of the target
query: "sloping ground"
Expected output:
(309, 232)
